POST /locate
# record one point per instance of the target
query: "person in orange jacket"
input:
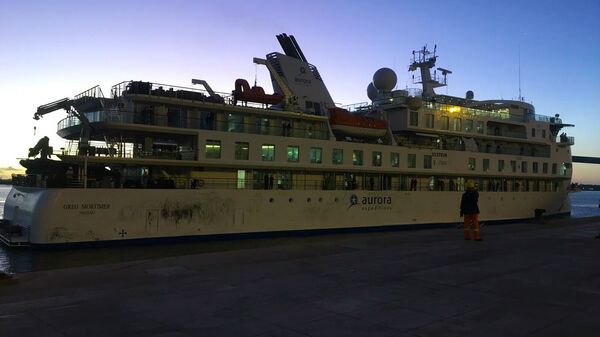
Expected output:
(470, 210)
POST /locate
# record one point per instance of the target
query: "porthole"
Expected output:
(307, 199)
(336, 199)
(320, 199)
(290, 199)
(271, 200)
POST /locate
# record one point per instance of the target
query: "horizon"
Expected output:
(556, 45)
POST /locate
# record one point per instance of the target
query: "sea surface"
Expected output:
(584, 204)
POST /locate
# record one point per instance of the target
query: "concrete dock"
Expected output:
(524, 279)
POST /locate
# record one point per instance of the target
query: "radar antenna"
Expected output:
(424, 60)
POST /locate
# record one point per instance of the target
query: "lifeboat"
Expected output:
(344, 122)
(256, 94)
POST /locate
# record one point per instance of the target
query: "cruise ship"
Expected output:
(161, 162)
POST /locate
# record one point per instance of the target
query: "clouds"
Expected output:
(6, 172)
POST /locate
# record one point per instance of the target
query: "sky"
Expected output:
(55, 49)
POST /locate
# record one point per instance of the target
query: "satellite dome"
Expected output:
(385, 79)
(372, 92)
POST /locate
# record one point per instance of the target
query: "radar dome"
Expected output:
(372, 92)
(385, 79)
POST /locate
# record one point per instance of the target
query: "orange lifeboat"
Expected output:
(243, 92)
(344, 122)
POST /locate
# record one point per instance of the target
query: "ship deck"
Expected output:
(525, 279)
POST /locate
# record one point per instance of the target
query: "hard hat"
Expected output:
(470, 184)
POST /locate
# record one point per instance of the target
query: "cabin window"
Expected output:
(445, 123)
(456, 124)
(316, 155)
(414, 118)
(337, 157)
(554, 168)
(268, 152)
(523, 167)
(357, 157)
(242, 150)
(486, 165)
(472, 164)
(469, 125)
(534, 167)
(293, 153)
(545, 168)
(376, 158)
(213, 149)
(235, 123)
(429, 121)
(513, 166)
(543, 133)
(533, 132)
(564, 168)
(427, 161)
(501, 165)
(394, 159)
(412, 160)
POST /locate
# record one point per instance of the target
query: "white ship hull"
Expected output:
(64, 216)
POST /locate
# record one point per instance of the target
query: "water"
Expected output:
(584, 204)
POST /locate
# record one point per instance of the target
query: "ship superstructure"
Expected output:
(156, 161)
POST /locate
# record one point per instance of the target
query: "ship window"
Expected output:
(316, 155)
(292, 153)
(412, 160)
(337, 156)
(394, 159)
(534, 167)
(414, 118)
(429, 121)
(472, 164)
(486, 165)
(545, 168)
(513, 166)
(357, 157)
(523, 167)
(564, 168)
(456, 124)
(554, 168)
(469, 125)
(479, 127)
(543, 133)
(501, 165)
(445, 123)
(376, 158)
(213, 149)
(427, 162)
(235, 123)
(533, 132)
(241, 150)
(268, 152)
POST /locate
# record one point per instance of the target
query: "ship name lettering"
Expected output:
(70, 206)
(439, 154)
(376, 200)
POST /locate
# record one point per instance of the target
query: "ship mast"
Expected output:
(425, 60)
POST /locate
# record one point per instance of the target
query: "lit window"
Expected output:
(456, 124)
(241, 150)
(213, 149)
(394, 159)
(479, 127)
(292, 153)
(412, 160)
(268, 152)
(472, 164)
(357, 157)
(427, 161)
(316, 155)
(338, 156)
(376, 158)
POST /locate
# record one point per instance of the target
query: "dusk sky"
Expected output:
(55, 49)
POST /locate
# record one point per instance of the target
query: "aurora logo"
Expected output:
(370, 203)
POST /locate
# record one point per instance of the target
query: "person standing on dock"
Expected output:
(470, 210)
